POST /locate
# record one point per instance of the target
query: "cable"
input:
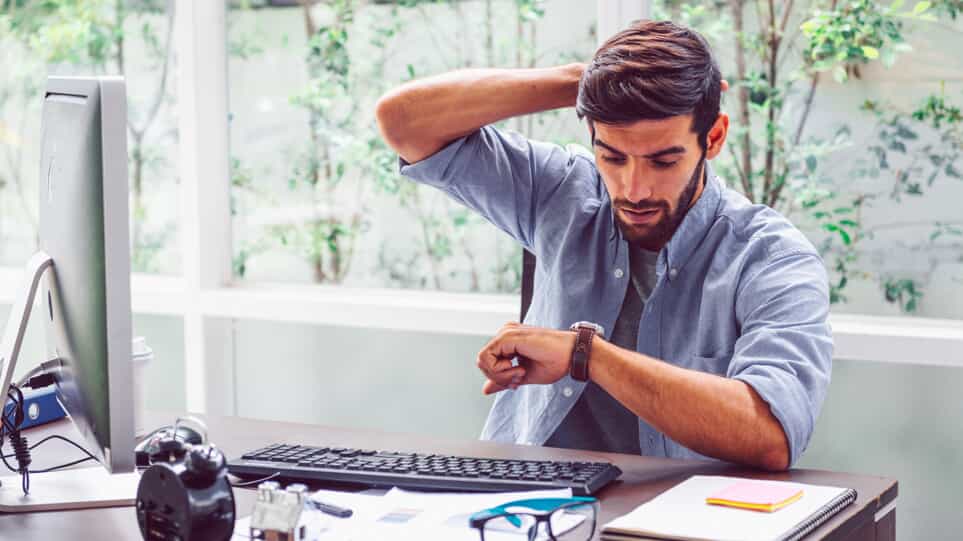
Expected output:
(21, 450)
(58, 437)
(44, 367)
(10, 429)
(256, 481)
(62, 466)
(26, 377)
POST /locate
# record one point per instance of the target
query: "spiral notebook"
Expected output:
(681, 513)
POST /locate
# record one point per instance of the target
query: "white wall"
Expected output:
(903, 422)
(402, 381)
(164, 376)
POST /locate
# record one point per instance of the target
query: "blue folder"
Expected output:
(40, 406)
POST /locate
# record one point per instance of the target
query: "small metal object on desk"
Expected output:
(331, 509)
(280, 514)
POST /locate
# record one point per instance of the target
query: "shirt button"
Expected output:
(567, 392)
(673, 272)
(618, 273)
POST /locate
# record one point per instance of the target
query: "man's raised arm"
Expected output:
(419, 118)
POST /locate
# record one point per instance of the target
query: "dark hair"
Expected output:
(650, 71)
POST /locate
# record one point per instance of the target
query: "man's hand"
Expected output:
(544, 356)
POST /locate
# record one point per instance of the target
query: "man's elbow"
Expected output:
(776, 457)
(398, 129)
(389, 115)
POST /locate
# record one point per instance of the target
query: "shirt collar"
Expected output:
(694, 226)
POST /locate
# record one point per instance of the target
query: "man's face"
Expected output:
(653, 170)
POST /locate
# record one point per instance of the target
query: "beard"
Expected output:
(653, 237)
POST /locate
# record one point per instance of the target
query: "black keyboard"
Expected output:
(420, 471)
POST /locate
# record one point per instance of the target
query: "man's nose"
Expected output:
(635, 187)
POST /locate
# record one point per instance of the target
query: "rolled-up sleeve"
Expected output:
(504, 177)
(785, 347)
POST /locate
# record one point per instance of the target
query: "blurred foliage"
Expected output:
(780, 52)
(347, 172)
(93, 37)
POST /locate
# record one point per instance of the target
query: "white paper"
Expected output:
(406, 515)
(242, 526)
(447, 513)
(682, 513)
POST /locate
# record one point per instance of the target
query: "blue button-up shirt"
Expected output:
(739, 292)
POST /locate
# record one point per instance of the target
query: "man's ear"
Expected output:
(717, 136)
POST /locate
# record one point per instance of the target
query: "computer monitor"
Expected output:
(83, 274)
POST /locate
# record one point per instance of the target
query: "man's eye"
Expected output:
(613, 159)
(663, 165)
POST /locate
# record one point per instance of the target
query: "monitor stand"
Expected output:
(77, 488)
(19, 317)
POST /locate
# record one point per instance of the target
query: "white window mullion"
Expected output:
(201, 42)
(614, 15)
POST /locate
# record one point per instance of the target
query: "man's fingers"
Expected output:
(503, 344)
(502, 365)
(497, 354)
(491, 364)
(508, 377)
(486, 361)
(506, 380)
(490, 387)
(495, 359)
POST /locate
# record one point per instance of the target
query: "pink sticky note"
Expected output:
(756, 495)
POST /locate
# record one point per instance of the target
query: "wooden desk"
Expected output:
(872, 517)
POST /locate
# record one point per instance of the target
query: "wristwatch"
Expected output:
(585, 331)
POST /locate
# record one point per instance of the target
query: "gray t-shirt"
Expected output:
(597, 421)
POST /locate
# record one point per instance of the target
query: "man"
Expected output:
(701, 319)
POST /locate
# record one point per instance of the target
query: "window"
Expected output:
(316, 194)
(73, 37)
(857, 140)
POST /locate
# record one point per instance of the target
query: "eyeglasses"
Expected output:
(555, 519)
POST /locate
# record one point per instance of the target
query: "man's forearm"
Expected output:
(419, 118)
(715, 416)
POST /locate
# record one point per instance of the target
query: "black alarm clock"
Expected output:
(185, 493)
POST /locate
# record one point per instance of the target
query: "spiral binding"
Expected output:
(821, 515)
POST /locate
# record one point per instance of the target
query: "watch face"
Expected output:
(595, 326)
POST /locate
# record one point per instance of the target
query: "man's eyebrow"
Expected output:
(668, 150)
(606, 146)
(652, 155)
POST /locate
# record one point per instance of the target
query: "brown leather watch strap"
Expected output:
(581, 352)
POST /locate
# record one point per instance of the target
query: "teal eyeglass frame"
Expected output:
(542, 509)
